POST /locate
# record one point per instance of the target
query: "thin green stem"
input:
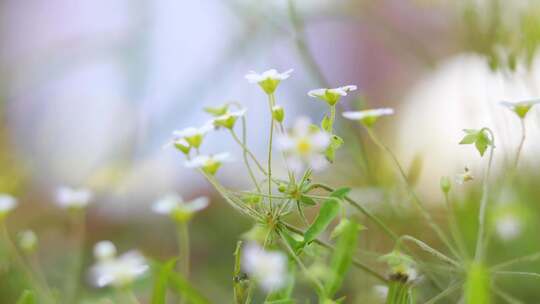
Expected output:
(428, 249)
(412, 193)
(78, 223)
(521, 143)
(528, 258)
(184, 247)
(248, 152)
(332, 117)
(356, 205)
(318, 285)
(271, 102)
(454, 230)
(479, 252)
(20, 264)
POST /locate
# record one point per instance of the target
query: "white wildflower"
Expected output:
(194, 136)
(464, 177)
(368, 117)
(508, 227)
(228, 120)
(332, 96)
(208, 163)
(104, 250)
(521, 107)
(7, 203)
(268, 268)
(116, 271)
(73, 198)
(27, 240)
(304, 145)
(268, 80)
(174, 206)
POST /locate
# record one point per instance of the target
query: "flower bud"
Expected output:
(278, 113)
(446, 185)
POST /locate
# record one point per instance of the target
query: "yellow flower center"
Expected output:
(303, 146)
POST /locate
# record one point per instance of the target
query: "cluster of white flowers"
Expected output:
(117, 271)
(174, 206)
(268, 268)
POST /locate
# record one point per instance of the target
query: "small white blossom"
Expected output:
(464, 177)
(228, 120)
(104, 250)
(268, 268)
(304, 146)
(368, 117)
(508, 227)
(7, 203)
(194, 136)
(174, 206)
(27, 240)
(381, 291)
(72, 198)
(332, 96)
(209, 163)
(117, 271)
(268, 80)
(521, 107)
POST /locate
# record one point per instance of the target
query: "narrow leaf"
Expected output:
(161, 277)
(327, 213)
(342, 256)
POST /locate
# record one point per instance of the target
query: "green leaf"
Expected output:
(27, 297)
(161, 277)
(329, 210)
(307, 200)
(181, 286)
(295, 244)
(342, 256)
(341, 192)
(468, 139)
(482, 142)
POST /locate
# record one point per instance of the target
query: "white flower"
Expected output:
(228, 119)
(72, 198)
(27, 240)
(268, 268)
(304, 146)
(268, 80)
(7, 203)
(521, 107)
(464, 177)
(174, 206)
(508, 227)
(104, 250)
(192, 135)
(381, 291)
(208, 163)
(368, 117)
(332, 96)
(117, 271)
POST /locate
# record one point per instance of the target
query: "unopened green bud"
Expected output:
(278, 113)
(446, 185)
(282, 188)
(217, 111)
